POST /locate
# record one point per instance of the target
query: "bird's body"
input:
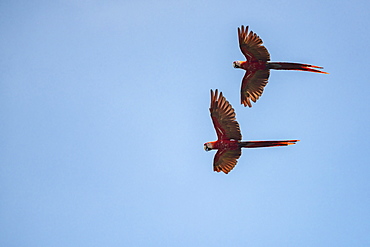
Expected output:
(251, 66)
(224, 144)
(258, 64)
(229, 142)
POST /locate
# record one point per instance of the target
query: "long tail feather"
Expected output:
(296, 66)
(260, 144)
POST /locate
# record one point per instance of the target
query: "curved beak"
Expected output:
(236, 65)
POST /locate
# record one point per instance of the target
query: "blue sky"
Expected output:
(104, 112)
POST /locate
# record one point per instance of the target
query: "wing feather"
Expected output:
(251, 45)
(225, 160)
(253, 85)
(223, 118)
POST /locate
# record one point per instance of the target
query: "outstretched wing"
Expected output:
(226, 159)
(223, 118)
(251, 45)
(252, 86)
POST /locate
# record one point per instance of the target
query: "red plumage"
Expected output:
(258, 65)
(229, 142)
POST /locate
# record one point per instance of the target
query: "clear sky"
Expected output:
(104, 112)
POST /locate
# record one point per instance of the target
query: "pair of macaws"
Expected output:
(257, 68)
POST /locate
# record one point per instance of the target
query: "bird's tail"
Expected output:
(261, 144)
(296, 66)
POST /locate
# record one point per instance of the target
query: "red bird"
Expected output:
(258, 66)
(229, 142)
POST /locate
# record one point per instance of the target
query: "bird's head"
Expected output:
(237, 64)
(208, 146)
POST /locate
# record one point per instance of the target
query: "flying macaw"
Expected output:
(229, 142)
(258, 66)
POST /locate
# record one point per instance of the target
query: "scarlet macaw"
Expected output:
(258, 66)
(229, 142)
